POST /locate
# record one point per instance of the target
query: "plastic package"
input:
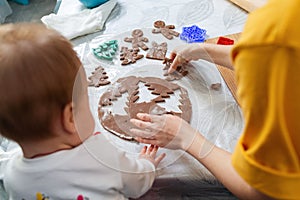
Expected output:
(23, 2)
(92, 3)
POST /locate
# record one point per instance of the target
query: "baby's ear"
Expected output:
(68, 121)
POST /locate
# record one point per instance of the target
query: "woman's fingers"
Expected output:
(155, 125)
(174, 64)
(173, 54)
(140, 123)
(142, 133)
(144, 116)
(150, 118)
(160, 131)
(179, 60)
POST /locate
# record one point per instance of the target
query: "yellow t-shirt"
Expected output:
(267, 64)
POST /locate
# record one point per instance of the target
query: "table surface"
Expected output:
(215, 113)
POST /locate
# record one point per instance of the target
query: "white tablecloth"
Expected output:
(215, 114)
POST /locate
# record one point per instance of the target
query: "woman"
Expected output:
(266, 60)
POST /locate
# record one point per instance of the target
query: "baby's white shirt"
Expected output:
(96, 169)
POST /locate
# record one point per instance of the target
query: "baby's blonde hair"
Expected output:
(38, 68)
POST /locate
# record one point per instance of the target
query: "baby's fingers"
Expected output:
(144, 149)
(150, 149)
(159, 158)
(153, 150)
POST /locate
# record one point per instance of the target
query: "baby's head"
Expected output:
(38, 68)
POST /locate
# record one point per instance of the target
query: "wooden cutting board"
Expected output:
(249, 5)
(227, 74)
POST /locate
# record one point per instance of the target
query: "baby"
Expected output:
(44, 107)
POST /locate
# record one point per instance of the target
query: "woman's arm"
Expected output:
(218, 162)
(218, 54)
(172, 132)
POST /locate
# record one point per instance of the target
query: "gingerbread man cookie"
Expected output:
(137, 39)
(158, 51)
(165, 30)
(128, 56)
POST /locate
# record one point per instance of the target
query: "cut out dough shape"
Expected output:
(120, 124)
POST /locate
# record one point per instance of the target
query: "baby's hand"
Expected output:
(149, 153)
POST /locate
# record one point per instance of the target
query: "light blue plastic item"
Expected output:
(23, 2)
(92, 3)
(107, 50)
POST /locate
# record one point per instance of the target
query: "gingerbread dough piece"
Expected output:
(120, 124)
(110, 95)
(180, 72)
(159, 89)
(165, 30)
(158, 51)
(98, 77)
(215, 86)
(137, 39)
(128, 56)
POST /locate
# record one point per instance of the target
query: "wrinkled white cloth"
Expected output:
(72, 25)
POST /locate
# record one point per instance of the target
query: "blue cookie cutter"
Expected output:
(193, 34)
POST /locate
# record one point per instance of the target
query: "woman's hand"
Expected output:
(164, 131)
(183, 54)
(149, 153)
(218, 54)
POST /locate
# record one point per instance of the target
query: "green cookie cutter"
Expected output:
(107, 50)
